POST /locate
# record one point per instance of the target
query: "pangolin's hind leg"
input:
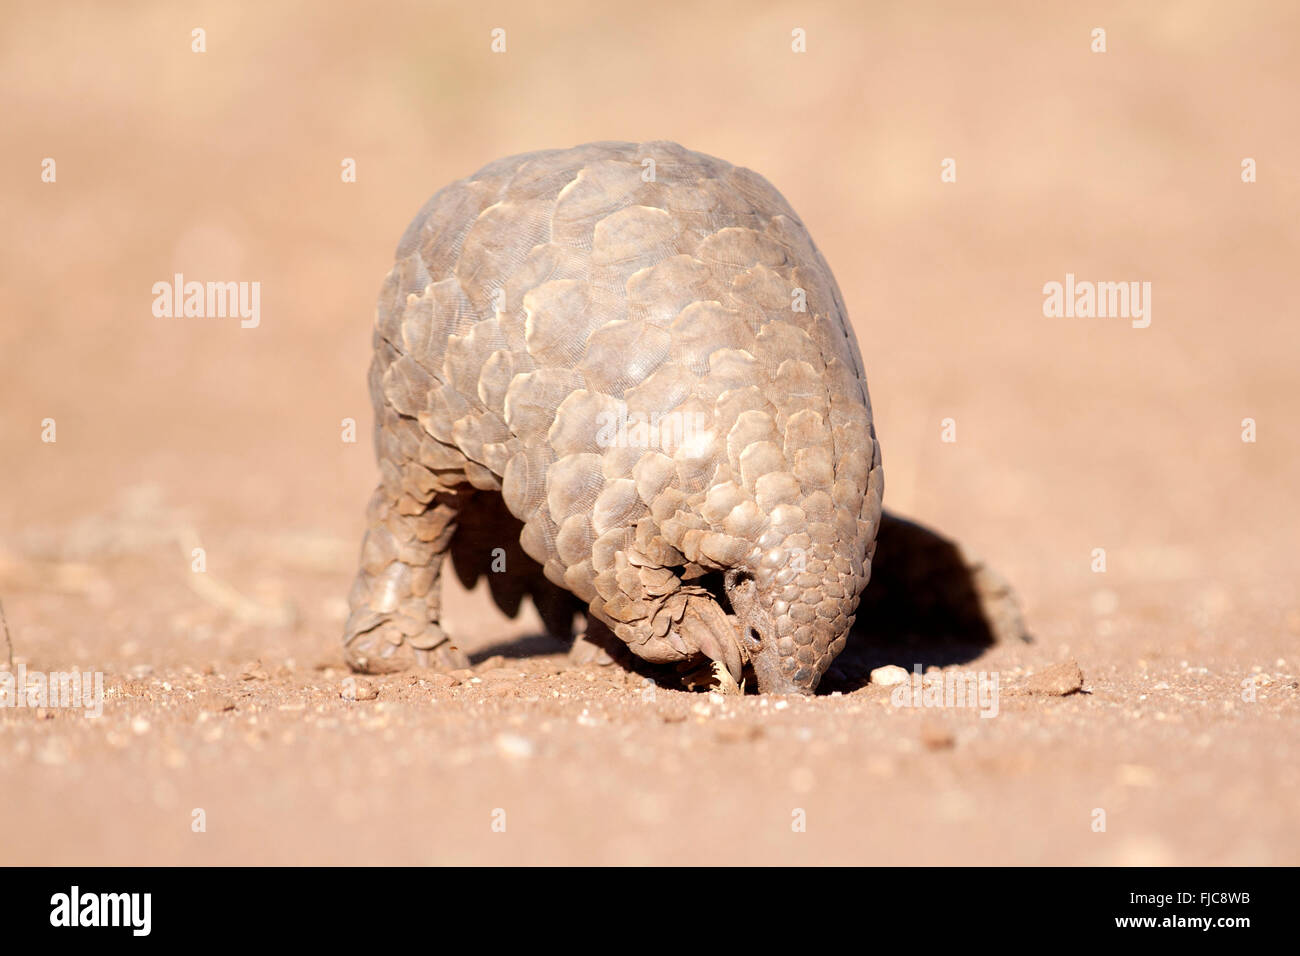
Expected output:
(396, 602)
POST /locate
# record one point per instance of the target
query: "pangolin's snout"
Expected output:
(774, 678)
(795, 672)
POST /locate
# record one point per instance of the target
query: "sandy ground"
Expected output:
(225, 691)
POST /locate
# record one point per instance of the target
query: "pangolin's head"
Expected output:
(794, 615)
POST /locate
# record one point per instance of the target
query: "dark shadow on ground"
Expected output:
(530, 645)
(927, 603)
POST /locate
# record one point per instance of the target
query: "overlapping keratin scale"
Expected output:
(642, 350)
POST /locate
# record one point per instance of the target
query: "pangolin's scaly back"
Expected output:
(641, 348)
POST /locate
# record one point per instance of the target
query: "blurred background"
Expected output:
(1072, 434)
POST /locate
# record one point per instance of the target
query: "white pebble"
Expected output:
(889, 675)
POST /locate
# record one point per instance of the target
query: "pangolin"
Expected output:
(639, 352)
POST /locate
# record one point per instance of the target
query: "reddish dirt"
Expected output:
(1072, 434)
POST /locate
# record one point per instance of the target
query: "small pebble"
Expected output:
(358, 688)
(1059, 680)
(219, 703)
(889, 675)
(935, 736)
(253, 670)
